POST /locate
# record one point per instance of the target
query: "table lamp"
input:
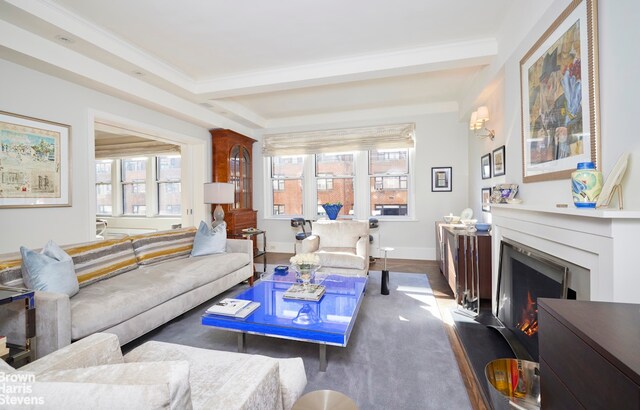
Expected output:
(218, 193)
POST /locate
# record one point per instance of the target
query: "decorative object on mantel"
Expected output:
(35, 158)
(332, 209)
(586, 184)
(503, 193)
(559, 127)
(499, 162)
(614, 183)
(441, 179)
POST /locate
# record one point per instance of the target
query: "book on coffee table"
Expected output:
(304, 292)
(228, 307)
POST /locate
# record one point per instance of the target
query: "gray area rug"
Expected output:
(398, 356)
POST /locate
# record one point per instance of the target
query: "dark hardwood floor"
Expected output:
(446, 302)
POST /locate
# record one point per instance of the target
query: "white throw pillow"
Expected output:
(50, 270)
(209, 241)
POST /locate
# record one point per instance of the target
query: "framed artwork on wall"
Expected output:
(485, 166)
(559, 96)
(35, 162)
(441, 179)
(486, 199)
(499, 162)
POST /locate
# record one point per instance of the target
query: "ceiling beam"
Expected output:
(379, 65)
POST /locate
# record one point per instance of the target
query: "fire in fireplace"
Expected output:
(526, 275)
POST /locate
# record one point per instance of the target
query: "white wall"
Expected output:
(619, 63)
(32, 93)
(440, 141)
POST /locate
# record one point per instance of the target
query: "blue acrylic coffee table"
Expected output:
(326, 322)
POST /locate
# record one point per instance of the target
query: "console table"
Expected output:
(589, 354)
(465, 257)
(18, 353)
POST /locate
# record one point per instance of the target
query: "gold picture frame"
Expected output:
(35, 162)
(559, 96)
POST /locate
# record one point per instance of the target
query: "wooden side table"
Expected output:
(18, 353)
(252, 235)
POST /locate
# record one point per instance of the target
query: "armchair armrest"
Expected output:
(310, 244)
(53, 322)
(161, 385)
(362, 248)
(97, 349)
(240, 246)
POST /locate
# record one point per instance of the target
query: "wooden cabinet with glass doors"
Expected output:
(232, 153)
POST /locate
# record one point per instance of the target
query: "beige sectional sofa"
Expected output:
(93, 374)
(128, 287)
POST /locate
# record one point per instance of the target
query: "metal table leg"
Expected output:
(241, 344)
(323, 357)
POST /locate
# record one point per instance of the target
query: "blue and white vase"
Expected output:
(586, 184)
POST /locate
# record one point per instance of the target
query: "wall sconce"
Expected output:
(478, 118)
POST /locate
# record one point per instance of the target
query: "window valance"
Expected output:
(133, 149)
(340, 140)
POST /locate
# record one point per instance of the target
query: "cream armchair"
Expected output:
(343, 246)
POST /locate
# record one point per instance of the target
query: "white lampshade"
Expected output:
(219, 193)
(483, 114)
(473, 120)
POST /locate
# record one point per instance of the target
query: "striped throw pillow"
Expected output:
(159, 246)
(94, 261)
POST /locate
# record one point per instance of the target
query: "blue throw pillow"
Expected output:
(50, 270)
(209, 241)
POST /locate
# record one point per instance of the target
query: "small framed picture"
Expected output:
(486, 199)
(485, 165)
(499, 162)
(441, 179)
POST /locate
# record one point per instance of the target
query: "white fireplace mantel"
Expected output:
(606, 242)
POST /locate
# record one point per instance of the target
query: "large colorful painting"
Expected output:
(559, 96)
(34, 162)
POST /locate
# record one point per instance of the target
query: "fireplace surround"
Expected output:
(603, 242)
(525, 275)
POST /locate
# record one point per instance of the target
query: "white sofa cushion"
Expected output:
(340, 257)
(115, 300)
(226, 380)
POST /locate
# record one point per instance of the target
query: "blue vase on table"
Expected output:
(332, 210)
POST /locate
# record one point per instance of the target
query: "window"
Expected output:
(333, 177)
(339, 188)
(287, 173)
(141, 186)
(325, 184)
(168, 183)
(278, 184)
(104, 197)
(278, 209)
(389, 176)
(134, 179)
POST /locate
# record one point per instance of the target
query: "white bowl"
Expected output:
(514, 201)
(469, 222)
(451, 219)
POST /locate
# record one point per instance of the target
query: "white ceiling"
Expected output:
(257, 61)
